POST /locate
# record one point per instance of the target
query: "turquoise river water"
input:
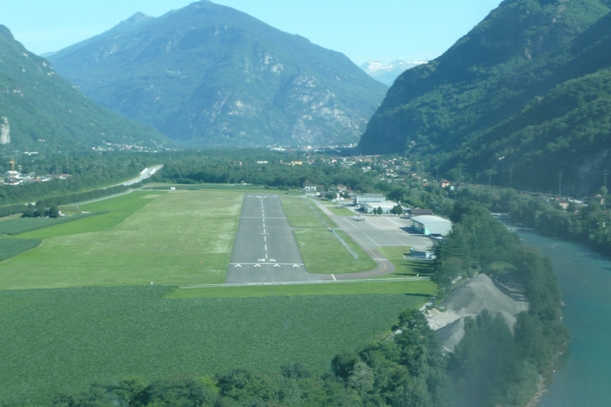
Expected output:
(582, 377)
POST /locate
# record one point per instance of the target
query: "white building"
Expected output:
(369, 198)
(431, 225)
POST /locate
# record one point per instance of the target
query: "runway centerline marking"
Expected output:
(374, 242)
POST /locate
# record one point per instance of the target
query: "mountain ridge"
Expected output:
(209, 74)
(40, 110)
(451, 111)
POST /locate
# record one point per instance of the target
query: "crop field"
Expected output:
(323, 253)
(12, 247)
(22, 225)
(177, 238)
(406, 267)
(387, 286)
(65, 339)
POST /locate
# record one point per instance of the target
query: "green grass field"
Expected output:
(301, 213)
(177, 238)
(417, 288)
(339, 211)
(406, 267)
(323, 253)
(66, 339)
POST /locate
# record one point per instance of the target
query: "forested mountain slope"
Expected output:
(41, 111)
(525, 95)
(209, 74)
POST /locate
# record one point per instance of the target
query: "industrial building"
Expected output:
(361, 199)
(431, 225)
(386, 206)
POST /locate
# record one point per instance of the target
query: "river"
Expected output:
(583, 376)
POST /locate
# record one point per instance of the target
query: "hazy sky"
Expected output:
(364, 30)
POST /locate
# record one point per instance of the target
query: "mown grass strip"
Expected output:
(12, 247)
(418, 288)
(323, 253)
(300, 214)
(340, 211)
(175, 238)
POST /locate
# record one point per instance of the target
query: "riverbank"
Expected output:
(580, 376)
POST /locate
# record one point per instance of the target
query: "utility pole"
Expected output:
(559, 184)
(489, 177)
(510, 173)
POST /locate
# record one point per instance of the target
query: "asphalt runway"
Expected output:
(265, 249)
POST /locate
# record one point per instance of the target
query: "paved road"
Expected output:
(265, 250)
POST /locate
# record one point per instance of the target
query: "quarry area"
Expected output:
(471, 298)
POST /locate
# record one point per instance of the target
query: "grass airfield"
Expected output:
(178, 238)
(80, 307)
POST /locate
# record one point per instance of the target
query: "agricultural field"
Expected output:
(65, 339)
(176, 238)
(110, 308)
(413, 288)
(13, 247)
(23, 225)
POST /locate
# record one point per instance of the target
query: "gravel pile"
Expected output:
(471, 298)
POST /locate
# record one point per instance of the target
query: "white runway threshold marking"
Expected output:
(333, 275)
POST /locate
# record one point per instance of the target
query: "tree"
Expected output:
(29, 212)
(397, 210)
(53, 212)
(380, 210)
